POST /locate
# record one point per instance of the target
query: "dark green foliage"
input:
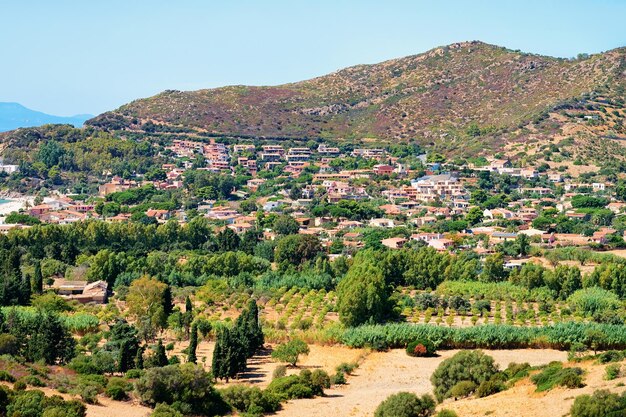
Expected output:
(612, 371)
(555, 375)
(446, 413)
(473, 366)
(304, 385)
(188, 388)
(158, 357)
(164, 410)
(405, 404)
(601, 403)
(118, 388)
(6, 376)
(489, 387)
(193, 345)
(9, 344)
(295, 250)
(250, 400)
(462, 389)
(229, 354)
(123, 342)
(99, 362)
(363, 295)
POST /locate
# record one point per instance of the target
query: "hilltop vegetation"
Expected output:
(465, 93)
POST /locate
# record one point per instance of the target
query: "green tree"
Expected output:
(146, 304)
(474, 216)
(37, 281)
(469, 365)
(290, 351)
(285, 225)
(363, 295)
(193, 344)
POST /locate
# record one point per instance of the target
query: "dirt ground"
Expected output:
(384, 373)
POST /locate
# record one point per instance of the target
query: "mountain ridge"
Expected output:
(423, 96)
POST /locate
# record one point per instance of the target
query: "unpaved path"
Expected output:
(384, 373)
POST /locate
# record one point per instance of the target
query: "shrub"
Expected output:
(320, 381)
(405, 404)
(610, 356)
(347, 367)
(446, 413)
(472, 365)
(338, 379)
(134, 373)
(250, 400)
(594, 300)
(427, 300)
(555, 375)
(89, 393)
(420, 348)
(289, 352)
(279, 372)
(188, 385)
(463, 389)
(33, 381)
(8, 344)
(305, 385)
(19, 385)
(117, 389)
(600, 403)
(6, 376)
(612, 371)
(164, 410)
(490, 387)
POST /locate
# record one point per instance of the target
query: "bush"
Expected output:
(612, 371)
(338, 379)
(33, 381)
(6, 376)
(600, 403)
(555, 375)
(117, 389)
(20, 385)
(8, 344)
(134, 373)
(250, 400)
(420, 348)
(89, 394)
(305, 385)
(490, 387)
(188, 386)
(463, 389)
(472, 365)
(279, 372)
(347, 367)
(592, 301)
(446, 413)
(164, 410)
(610, 356)
(405, 404)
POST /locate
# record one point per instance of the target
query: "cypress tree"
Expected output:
(160, 358)
(229, 357)
(37, 283)
(193, 344)
(188, 315)
(168, 304)
(139, 358)
(126, 356)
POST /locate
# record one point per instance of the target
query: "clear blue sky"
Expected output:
(88, 56)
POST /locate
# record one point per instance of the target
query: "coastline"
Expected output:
(14, 204)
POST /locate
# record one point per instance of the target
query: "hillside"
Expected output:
(435, 97)
(14, 116)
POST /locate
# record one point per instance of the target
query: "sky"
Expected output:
(68, 57)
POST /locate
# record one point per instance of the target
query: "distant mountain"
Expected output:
(14, 115)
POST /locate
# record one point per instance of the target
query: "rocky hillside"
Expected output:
(448, 96)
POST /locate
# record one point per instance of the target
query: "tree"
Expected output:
(469, 365)
(146, 304)
(228, 241)
(229, 354)
(37, 282)
(188, 386)
(49, 340)
(187, 316)
(124, 343)
(405, 404)
(493, 269)
(193, 344)
(523, 244)
(601, 403)
(159, 357)
(285, 225)
(290, 352)
(294, 250)
(363, 295)
(474, 216)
